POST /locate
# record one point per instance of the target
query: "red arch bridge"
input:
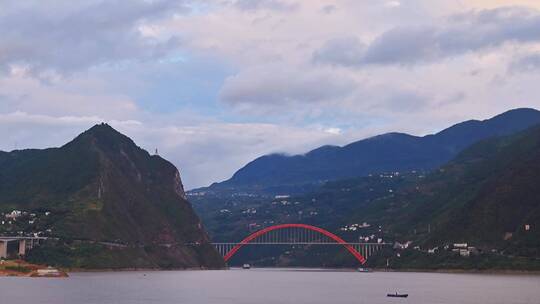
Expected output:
(299, 234)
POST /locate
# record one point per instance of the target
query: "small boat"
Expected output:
(361, 269)
(397, 295)
(246, 266)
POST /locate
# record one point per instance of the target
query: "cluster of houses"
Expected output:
(249, 211)
(354, 227)
(371, 239)
(17, 219)
(282, 196)
(463, 249)
(284, 202)
(225, 211)
(386, 175)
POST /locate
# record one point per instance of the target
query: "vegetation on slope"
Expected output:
(101, 187)
(487, 197)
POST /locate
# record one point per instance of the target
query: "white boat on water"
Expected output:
(246, 266)
(361, 269)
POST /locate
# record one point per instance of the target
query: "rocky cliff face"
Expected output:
(103, 189)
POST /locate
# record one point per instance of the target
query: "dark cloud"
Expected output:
(347, 51)
(464, 33)
(403, 45)
(68, 35)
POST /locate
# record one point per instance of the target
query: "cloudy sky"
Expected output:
(215, 83)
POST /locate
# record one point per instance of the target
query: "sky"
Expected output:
(213, 84)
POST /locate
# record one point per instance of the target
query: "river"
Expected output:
(271, 286)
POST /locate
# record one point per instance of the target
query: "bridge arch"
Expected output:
(324, 232)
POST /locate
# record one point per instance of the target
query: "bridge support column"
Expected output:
(22, 247)
(3, 249)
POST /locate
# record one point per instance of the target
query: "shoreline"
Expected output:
(448, 271)
(20, 268)
(83, 270)
(463, 271)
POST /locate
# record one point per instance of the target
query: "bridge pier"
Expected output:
(3, 249)
(22, 247)
(24, 244)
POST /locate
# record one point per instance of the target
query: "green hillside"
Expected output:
(108, 204)
(484, 197)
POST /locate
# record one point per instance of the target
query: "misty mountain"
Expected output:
(486, 196)
(383, 153)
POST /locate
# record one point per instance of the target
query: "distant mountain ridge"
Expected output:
(488, 196)
(102, 187)
(383, 153)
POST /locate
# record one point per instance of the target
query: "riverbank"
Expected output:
(20, 268)
(82, 270)
(412, 270)
(466, 271)
(25, 269)
(456, 271)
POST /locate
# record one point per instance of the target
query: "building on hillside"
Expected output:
(433, 250)
(13, 214)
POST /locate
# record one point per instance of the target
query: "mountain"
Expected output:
(383, 153)
(485, 196)
(106, 202)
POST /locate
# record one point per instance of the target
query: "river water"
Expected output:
(271, 286)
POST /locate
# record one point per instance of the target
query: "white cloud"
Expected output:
(392, 4)
(335, 131)
(44, 120)
(62, 96)
(279, 85)
(275, 75)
